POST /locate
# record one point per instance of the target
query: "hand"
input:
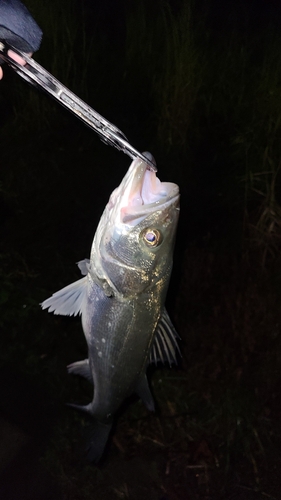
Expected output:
(17, 58)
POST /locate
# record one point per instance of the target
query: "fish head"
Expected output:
(133, 245)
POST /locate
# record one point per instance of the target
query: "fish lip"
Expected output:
(132, 189)
(137, 177)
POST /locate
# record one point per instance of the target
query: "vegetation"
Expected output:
(203, 93)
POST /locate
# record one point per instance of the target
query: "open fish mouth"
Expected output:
(140, 193)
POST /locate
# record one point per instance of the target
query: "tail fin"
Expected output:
(96, 440)
(96, 435)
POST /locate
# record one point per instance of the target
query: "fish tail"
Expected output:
(96, 435)
(96, 440)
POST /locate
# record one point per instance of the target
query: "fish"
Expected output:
(121, 297)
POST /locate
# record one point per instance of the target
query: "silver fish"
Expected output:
(121, 297)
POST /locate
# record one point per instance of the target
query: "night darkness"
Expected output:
(198, 84)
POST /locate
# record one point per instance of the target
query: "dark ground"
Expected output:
(215, 434)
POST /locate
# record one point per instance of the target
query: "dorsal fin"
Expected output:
(165, 343)
(69, 300)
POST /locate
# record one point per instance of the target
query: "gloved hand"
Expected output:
(18, 28)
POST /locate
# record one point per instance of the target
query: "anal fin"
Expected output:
(81, 368)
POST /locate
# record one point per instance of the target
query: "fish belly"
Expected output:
(119, 334)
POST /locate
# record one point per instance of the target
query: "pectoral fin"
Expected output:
(165, 345)
(69, 300)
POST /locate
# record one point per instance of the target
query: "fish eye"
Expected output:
(152, 237)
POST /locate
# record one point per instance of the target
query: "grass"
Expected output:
(208, 105)
(200, 78)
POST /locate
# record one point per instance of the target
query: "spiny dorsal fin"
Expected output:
(69, 300)
(165, 343)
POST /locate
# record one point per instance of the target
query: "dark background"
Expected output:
(198, 84)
